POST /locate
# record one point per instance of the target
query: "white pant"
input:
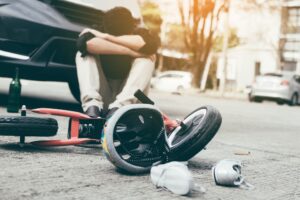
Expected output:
(97, 90)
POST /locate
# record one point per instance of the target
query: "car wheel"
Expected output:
(280, 102)
(74, 88)
(180, 88)
(294, 100)
(256, 99)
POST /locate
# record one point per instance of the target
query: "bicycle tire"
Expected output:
(28, 126)
(201, 126)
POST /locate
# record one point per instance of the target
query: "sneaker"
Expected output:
(91, 128)
(93, 111)
(173, 176)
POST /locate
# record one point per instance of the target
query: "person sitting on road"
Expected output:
(113, 64)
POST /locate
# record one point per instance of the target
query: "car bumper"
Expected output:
(278, 93)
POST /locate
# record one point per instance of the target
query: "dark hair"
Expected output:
(119, 21)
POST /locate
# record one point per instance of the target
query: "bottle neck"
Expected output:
(17, 77)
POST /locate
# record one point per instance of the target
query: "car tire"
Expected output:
(180, 89)
(294, 100)
(201, 126)
(74, 88)
(257, 100)
(280, 102)
(28, 126)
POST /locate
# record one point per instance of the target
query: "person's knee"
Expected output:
(81, 43)
(145, 63)
(87, 61)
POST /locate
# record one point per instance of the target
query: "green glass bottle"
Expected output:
(14, 94)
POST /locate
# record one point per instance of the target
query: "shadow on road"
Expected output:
(35, 102)
(201, 165)
(29, 148)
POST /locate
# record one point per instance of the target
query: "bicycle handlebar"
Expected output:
(142, 97)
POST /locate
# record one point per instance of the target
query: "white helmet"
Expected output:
(134, 138)
(228, 173)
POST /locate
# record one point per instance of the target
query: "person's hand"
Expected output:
(152, 57)
(95, 32)
(85, 31)
(135, 54)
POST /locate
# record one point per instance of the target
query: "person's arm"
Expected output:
(102, 46)
(134, 42)
(141, 40)
(94, 42)
(94, 32)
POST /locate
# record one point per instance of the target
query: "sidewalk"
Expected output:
(212, 94)
(227, 95)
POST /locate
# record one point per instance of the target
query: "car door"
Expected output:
(165, 82)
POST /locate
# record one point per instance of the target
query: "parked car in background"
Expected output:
(172, 81)
(282, 87)
(39, 36)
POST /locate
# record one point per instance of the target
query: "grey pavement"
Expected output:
(268, 131)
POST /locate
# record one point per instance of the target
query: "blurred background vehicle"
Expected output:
(172, 81)
(282, 87)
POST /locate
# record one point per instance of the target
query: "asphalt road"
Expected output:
(270, 133)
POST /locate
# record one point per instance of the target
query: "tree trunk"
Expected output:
(198, 68)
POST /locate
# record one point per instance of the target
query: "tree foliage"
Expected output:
(233, 40)
(152, 16)
(199, 21)
(175, 38)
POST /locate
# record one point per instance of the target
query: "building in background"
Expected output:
(245, 62)
(290, 36)
(259, 31)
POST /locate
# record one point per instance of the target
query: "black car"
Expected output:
(39, 37)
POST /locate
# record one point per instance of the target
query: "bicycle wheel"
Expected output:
(196, 131)
(134, 138)
(27, 126)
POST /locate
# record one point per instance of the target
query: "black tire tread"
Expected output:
(194, 145)
(291, 102)
(27, 126)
